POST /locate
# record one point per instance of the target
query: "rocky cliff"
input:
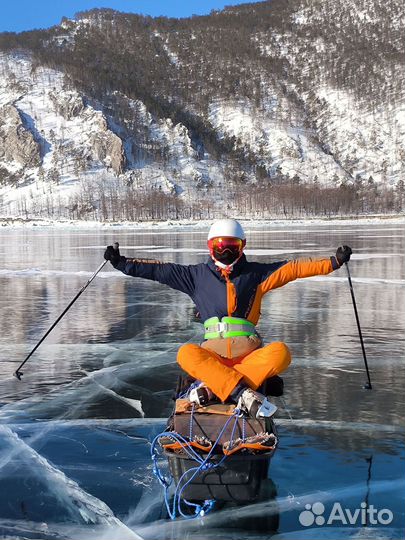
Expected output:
(304, 94)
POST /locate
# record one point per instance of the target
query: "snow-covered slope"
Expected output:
(65, 136)
(117, 110)
(53, 140)
(364, 142)
(284, 146)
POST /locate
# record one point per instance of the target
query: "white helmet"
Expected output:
(226, 241)
(227, 228)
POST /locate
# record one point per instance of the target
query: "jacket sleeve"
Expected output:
(176, 276)
(292, 270)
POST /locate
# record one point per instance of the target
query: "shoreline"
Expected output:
(13, 223)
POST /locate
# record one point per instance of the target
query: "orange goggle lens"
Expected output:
(220, 245)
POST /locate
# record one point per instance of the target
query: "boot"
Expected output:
(255, 405)
(201, 395)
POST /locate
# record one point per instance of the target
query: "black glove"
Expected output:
(112, 254)
(343, 254)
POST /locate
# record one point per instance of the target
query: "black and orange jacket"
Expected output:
(217, 294)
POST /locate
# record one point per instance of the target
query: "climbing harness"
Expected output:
(228, 327)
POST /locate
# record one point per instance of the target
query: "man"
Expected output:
(227, 290)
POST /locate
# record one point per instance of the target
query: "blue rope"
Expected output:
(177, 438)
(230, 442)
(204, 464)
(166, 482)
(191, 422)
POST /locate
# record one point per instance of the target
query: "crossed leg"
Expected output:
(222, 375)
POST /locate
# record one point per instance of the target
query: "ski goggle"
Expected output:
(226, 249)
(221, 244)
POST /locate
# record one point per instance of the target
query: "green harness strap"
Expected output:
(228, 327)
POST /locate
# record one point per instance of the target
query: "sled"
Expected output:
(217, 453)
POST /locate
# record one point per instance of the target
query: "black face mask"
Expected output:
(227, 256)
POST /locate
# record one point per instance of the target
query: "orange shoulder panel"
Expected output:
(294, 270)
(288, 272)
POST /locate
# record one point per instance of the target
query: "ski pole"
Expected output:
(367, 386)
(18, 373)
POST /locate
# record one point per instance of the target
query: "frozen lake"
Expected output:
(74, 448)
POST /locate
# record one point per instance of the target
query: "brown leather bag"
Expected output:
(240, 345)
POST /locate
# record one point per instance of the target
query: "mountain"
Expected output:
(287, 107)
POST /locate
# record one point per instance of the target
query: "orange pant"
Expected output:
(221, 375)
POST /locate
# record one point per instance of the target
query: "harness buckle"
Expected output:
(223, 327)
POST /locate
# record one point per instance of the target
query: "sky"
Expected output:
(20, 15)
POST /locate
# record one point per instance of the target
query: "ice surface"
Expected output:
(331, 533)
(79, 505)
(366, 280)
(76, 417)
(110, 449)
(135, 403)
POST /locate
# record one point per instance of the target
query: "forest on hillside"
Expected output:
(249, 52)
(221, 55)
(114, 200)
